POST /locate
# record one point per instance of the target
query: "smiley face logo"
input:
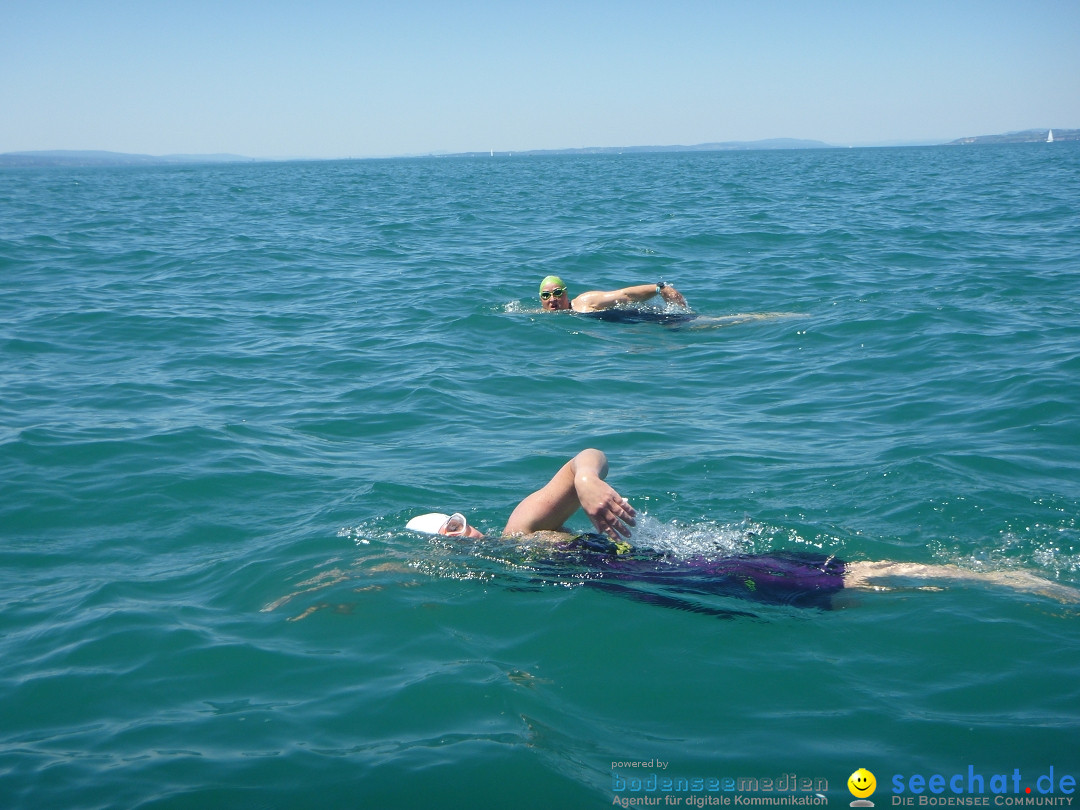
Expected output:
(861, 783)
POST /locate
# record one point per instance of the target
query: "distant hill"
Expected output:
(1027, 136)
(72, 158)
(772, 143)
(90, 158)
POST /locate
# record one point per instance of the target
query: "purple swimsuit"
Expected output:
(797, 578)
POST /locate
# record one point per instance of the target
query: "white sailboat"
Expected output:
(1050, 136)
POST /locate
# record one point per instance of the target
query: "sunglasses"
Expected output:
(558, 292)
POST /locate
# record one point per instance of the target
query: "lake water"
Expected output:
(225, 389)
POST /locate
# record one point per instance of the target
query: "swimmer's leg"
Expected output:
(865, 575)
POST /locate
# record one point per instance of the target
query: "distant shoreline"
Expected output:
(1026, 136)
(76, 158)
(86, 158)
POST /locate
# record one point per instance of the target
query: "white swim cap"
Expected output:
(429, 523)
(438, 523)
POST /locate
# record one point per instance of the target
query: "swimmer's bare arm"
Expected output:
(579, 484)
(606, 299)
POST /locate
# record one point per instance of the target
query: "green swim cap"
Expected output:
(551, 280)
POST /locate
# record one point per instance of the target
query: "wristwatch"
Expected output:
(659, 286)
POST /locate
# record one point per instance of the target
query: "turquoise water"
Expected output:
(226, 388)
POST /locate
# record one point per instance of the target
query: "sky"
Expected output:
(353, 78)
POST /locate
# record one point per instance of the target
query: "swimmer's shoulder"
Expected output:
(546, 536)
(591, 301)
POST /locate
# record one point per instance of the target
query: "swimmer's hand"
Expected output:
(672, 296)
(609, 512)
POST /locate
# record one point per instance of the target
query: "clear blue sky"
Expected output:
(337, 78)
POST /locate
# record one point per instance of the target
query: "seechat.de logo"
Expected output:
(862, 785)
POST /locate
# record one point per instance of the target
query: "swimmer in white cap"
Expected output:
(787, 577)
(579, 484)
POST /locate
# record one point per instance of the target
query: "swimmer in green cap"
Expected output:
(554, 296)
